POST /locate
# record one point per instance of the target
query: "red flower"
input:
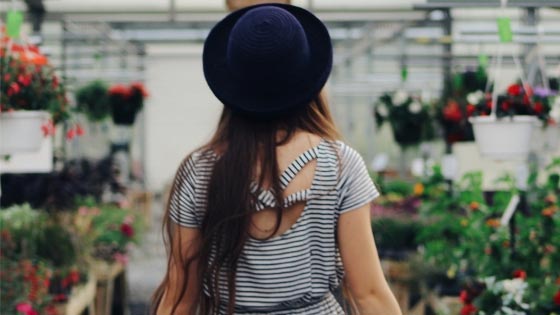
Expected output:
(127, 230)
(48, 128)
(470, 109)
(119, 90)
(515, 89)
(452, 112)
(24, 80)
(50, 310)
(61, 297)
(468, 309)
(539, 107)
(74, 276)
(520, 273)
(79, 130)
(140, 88)
(7, 77)
(464, 297)
(556, 298)
(13, 89)
(54, 81)
(71, 134)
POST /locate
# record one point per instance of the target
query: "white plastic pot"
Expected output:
(548, 138)
(505, 138)
(20, 131)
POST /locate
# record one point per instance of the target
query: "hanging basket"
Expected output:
(505, 138)
(546, 139)
(20, 131)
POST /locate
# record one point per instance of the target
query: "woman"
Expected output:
(272, 214)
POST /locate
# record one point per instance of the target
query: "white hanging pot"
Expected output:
(505, 138)
(551, 138)
(20, 131)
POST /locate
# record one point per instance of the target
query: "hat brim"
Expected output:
(242, 96)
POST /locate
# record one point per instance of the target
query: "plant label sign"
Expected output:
(510, 210)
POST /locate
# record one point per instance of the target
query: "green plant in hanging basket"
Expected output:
(93, 100)
(408, 117)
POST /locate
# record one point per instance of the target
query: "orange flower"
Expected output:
(418, 189)
(493, 223)
(549, 212)
(474, 206)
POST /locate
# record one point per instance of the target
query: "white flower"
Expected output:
(475, 97)
(399, 97)
(513, 285)
(415, 107)
(382, 110)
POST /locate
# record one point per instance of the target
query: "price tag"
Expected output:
(510, 210)
(14, 19)
(483, 60)
(504, 30)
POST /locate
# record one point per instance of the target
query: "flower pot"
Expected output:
(505, 138)
(546, 139)
(20, 131)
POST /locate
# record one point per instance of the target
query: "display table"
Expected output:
(82, 298)
(107, 274)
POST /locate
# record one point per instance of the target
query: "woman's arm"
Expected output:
(363, 274)
(184, 246)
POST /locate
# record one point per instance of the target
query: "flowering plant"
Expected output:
(24, 285)
(113, 230)
(467, 88)
(28, 82)
(518, 100)
(126, 102)
(463, 235)
(408, 117)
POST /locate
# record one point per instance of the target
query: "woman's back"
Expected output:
(295, 269)
(273, 212)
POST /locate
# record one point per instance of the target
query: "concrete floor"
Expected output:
(147, 264)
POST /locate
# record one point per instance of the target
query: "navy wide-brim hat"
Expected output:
(267, 60)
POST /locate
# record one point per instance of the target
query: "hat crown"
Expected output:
(267, 42)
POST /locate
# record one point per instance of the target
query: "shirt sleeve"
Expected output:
(182, 205)
(355, 186)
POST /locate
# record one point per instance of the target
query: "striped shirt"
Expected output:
(295, 272)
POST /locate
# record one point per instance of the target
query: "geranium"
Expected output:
(30, 83)
(126, 102)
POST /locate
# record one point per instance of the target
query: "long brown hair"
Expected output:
(247, 153)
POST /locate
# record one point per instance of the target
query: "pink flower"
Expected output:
(94, 211)
(26, 308)
(129, 219)
(121, 258)
(71, 134)
(83, 210)
(79, 130)
(48, 128)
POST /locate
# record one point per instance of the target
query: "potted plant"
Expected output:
(406, 115)
(503, 124)
(126, 102)
(93, 100)
(30, 92)
(467, 91)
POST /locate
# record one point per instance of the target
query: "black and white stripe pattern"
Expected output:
(295, 272)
